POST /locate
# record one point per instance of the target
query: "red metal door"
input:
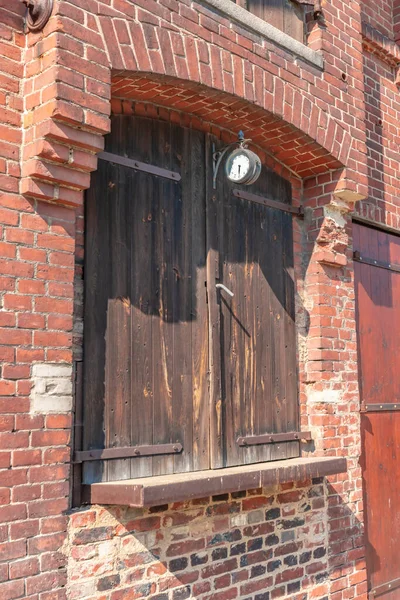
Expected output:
(377, 284)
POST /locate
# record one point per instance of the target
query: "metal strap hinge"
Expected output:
(139, 166)
(274, 438)
(297, 211)
(384, 589)
(129, 452)
(366, 408)
(389, 266)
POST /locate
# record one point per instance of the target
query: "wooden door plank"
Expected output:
(214, 325)
(232, 224)
(97, 269)
(262, 332)
(182, 394)
(144, 298)
(196, 195)
(162, 331)
(251, 277)
(118, 336)
(292, 419)
(262, 329)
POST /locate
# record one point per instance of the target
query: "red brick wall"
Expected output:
(380, 14)
(36, 319)
(396, 19)
(382, 110)
(268, 543)
(307, 124)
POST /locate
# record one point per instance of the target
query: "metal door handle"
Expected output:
(223, 287)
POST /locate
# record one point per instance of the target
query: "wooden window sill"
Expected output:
(155, 491)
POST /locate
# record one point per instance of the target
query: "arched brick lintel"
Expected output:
(314, 144)
(64, 134)
(59, 162)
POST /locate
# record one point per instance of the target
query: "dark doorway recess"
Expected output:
(169, 357)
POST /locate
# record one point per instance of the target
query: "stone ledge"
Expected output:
(271, 33)
(156, 491)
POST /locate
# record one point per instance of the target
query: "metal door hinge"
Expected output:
(389, 266)
(384, 589)
(139, 166)
(128, 452)
(297, 211)
(274, 438)
(369, 408)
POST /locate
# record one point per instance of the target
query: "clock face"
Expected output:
(243, 166)
(239, 167)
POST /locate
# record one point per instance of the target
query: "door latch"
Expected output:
(223, 287)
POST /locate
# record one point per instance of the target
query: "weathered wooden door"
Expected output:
(377, 282)
(146, 336)
(170, 360)
(254, 383)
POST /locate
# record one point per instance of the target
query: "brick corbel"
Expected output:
(58, 163)
(67, 108)
(332, 242)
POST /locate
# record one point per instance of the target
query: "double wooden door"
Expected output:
(170, 357)
(377, 281)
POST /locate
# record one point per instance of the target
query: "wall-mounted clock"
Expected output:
(243, 166)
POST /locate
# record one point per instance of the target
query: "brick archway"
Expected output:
(306, 149)
(60, 160)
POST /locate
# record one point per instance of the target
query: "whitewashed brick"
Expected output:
(52, 370)
(52, 388)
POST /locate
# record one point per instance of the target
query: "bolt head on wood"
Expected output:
(38, 13)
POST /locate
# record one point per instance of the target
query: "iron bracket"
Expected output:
(38, 13)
